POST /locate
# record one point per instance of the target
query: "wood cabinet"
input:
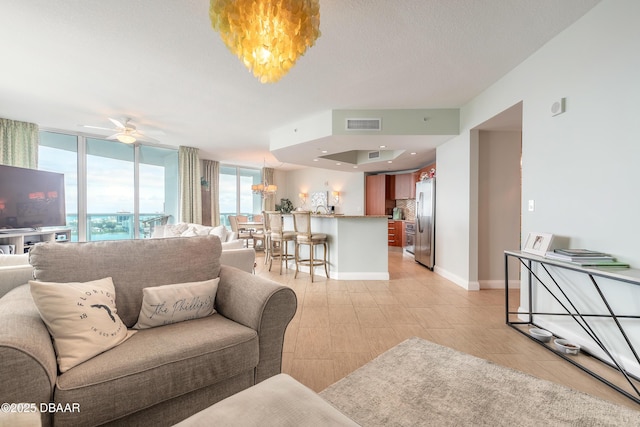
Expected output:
(379, 195)
(405, 186)
(392, 234)
(397, 234)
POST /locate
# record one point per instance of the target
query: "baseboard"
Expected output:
(630, 364)
(498, 284)
(350, 275)
(465, 284)
(359, 276)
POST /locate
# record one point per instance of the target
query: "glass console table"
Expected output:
(549, 277)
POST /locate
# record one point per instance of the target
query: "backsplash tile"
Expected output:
(408, 207)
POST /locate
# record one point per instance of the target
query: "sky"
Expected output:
(109, 182)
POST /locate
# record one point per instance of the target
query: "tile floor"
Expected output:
(341, 325)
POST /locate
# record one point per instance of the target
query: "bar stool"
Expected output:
(304, 236)
(279, 239)
(267, 236)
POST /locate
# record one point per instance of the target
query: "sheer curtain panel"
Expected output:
(18, 143)
(190, 196)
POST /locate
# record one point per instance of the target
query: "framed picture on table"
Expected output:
(537, 243)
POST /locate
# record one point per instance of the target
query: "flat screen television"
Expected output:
(31, 198)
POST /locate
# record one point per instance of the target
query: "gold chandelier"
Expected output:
(267, 35)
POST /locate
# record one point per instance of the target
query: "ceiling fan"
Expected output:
(126, 131)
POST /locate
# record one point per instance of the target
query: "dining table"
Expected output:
(254, 227)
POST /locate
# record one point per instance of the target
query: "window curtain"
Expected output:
(211, 174)
(269, 203)
(19, 143)
(190, 197)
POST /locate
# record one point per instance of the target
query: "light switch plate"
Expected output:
(532, 205)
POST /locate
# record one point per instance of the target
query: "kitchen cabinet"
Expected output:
(396, 234)
(379, 194)
(391, 240)
(405, 186)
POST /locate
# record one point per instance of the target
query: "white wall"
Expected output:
(453, 212)
(310, 180)
(579, 167)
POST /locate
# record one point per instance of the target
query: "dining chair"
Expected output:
(242, 233)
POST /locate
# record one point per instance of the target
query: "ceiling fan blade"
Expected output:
(96, 127)
(114, 136)
(117, 123)
(143, 137)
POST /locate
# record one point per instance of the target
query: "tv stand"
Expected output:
(25, 240)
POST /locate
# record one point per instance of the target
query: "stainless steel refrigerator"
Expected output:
(425, 222)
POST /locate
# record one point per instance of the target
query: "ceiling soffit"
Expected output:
(395, 125)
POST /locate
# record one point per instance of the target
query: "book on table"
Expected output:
(580, 253)
(559, 257)
(585, 258)
(601, 263)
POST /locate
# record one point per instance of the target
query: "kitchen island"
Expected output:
(358, 247)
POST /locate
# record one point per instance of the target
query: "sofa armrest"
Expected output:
(262, 305)
(243, 259)
(14, 276)
(28, 370)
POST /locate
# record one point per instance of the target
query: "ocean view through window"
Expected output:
(114, 191)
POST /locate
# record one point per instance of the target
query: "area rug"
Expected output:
(419, 383)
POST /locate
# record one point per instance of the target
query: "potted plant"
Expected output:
(285, 206)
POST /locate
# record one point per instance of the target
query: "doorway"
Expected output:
(499, 194)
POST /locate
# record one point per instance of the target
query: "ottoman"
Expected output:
(277, 401)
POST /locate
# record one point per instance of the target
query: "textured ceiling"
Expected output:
(68, 63)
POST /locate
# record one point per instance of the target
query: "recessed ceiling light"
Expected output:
(414, 153)
(389, 161)
(324, 151)
(338, 164)
(315, 160)
(355, 167)
(383, 146)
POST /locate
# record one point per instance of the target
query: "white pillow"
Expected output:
(220, 231)
(202, 230)
(175, 230)
(163, 305)
(189, 232)
(81, 317)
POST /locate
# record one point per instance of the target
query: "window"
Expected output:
(123, 192)
(59, 153)
(236, 197)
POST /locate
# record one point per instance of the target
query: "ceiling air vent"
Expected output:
(364, 124)
(374, 155)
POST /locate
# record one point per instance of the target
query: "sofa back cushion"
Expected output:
(132, 264)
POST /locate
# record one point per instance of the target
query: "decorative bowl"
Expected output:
(540, 334)
(566, 346)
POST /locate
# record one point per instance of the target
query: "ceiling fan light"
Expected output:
(126, 138)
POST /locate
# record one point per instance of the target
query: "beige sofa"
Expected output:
(188, 229)
(158, 376)
(233, 251)
(15, 270)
